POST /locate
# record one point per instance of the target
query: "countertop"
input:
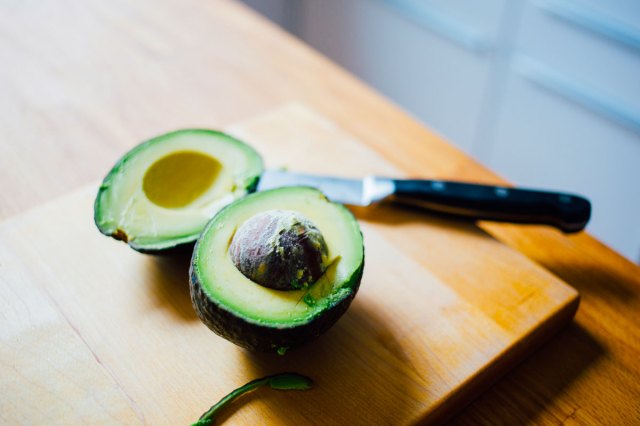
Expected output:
(84, 82)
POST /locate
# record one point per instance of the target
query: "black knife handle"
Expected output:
(567, 212)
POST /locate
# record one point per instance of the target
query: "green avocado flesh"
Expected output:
(266, 319)
(161, 194)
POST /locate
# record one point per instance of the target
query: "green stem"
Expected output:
(283, 381)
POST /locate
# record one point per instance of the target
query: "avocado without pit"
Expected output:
(276, 269)
(160, 195)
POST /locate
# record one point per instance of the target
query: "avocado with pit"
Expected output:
(277, 268)
(162, 193)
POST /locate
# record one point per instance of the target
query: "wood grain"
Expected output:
(413, 347)
(84, 82)
(47, 365)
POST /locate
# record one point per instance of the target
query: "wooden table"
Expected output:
(83, 82)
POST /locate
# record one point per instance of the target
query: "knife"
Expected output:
(567, 212)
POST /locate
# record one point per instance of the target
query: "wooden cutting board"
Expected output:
(93, 332)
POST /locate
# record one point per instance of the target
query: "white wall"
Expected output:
(545, 92)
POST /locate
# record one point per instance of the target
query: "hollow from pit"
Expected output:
(178, 179)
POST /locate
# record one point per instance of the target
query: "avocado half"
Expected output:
(266, 319)
(161, 194)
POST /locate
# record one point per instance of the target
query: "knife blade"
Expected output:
(355, 192)
(565, 211)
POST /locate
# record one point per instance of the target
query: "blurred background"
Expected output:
(545, 93)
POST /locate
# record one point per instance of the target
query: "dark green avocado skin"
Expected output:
(176, 250)
(259, 337)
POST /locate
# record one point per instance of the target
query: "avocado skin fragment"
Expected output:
(282, 381)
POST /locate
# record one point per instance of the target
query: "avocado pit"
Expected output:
(279, 249)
